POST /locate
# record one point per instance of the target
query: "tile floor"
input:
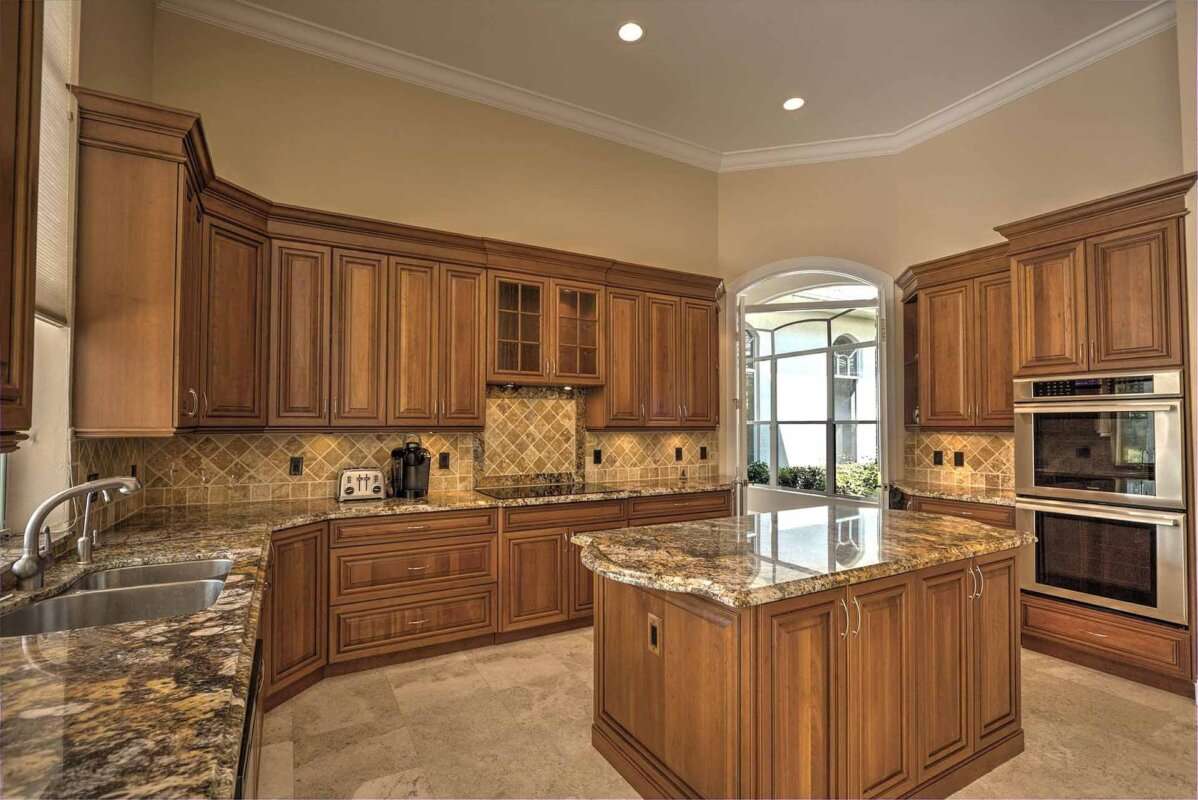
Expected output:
(514, 721)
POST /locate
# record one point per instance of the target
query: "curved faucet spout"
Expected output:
(27, 566)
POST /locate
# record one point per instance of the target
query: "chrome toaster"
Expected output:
(360, 484)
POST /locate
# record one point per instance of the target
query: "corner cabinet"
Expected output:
(959, 354)
(1101, 286)
(662, 366)
(544, 331)
(20, 109)
(297, 609)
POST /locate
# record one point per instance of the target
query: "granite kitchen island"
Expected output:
(835, 651)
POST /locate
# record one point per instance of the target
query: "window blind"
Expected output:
(55, 162)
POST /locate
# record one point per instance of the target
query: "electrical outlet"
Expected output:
(442, 460)
(93, 476)
(938, 457)
(958, 459)
(677, 453)
(132, 470)
(702, 453)
(296, 467)
(597, 456)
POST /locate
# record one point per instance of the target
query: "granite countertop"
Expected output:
(156, 708)
(967, 494)
(759, 558)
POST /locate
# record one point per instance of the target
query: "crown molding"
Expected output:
(1128, 31)
(289, 31)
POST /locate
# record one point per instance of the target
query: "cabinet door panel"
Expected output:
(1049, 296)
(464, 315)
(359, 338)
(700, 361)
(946, 377)
(1135, 297)
(632, 674)
(236, 285)
(663, 403)
(945, 665)
(881, 745)
(413, 377)
(801, 696)
(297, 638)
(519, 342)
(302, 297)
(993, 363)
(582, 580)
(191, 265)
(624, 392)
(577, 327)
(996, 661)
(535, 574)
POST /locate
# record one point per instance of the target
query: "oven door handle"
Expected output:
(1097, 407)
(1106, 512)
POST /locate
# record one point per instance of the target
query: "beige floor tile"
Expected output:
(344, 700)
(276, 771)
(518, 663)
(339, 763)
(419, 687)
(409, 783)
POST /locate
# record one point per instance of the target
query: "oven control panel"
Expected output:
(1094, 387)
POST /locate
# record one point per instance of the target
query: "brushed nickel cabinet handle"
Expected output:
(195, 403)
(973, 579)
(204, 404)
(418, 622)
(981, 581)
(844, 634)
(642, 410)
(418, 568)
(857, 605)
(416, 528)
(1099, 635)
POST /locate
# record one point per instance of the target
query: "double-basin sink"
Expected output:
(124, 594)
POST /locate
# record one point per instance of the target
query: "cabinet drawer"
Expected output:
(1156, 647)
(377, 627)
(563, 515)
(1000, 516)
(374, 530)
(423, 565)
(706, 504)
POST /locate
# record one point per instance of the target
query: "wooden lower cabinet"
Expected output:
(297, 606)
(380, 627)
(535, 578)
(904, 685)
(582, 580)
(1001, 516)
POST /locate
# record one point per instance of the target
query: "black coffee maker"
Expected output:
(409, 471)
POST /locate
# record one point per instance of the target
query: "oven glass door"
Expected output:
(1098, 451)
(1126, 559)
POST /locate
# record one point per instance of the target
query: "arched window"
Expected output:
(812, 388)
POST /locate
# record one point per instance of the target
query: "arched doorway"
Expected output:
(809, 389)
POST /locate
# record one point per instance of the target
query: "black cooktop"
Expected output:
(545, 490)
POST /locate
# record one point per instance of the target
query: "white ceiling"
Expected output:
(710, 75)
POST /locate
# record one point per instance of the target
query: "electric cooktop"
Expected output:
(545, 490)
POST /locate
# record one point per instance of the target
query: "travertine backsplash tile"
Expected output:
(531, 431)
(105, 458)
(989, 459)
(647, 456)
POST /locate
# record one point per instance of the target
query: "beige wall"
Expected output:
(116, 47)
(1104, 129)
(304, 130)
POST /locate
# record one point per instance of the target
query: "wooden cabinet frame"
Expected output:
(301, 309)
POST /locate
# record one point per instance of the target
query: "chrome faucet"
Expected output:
(28, 568)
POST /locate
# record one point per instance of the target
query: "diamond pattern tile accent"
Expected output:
(989, 459)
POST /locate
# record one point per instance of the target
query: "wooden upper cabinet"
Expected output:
(576, 330)
(301, 286)
(236, 281)
(1049, 296)
(20, 111)
(518, 344)
(620, 402)
(994, 397)
(414, 378)
(463, 304)
(663, 400)
(190, 304)
(700, 363)
(359, 346)
(1135, 297)
(946, 377)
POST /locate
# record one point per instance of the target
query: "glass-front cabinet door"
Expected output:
(519, 350)
(577, 352)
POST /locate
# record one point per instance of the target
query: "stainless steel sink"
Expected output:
(213, 568)
(110, 606)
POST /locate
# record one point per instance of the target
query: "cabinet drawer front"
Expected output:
(1158, 648)
(365, 573)
(374, 530)
(386, 626)
(565, 515)
(712, 503)
(1001, 516)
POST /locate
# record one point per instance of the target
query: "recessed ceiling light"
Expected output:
(794, 104)
(631, 32)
